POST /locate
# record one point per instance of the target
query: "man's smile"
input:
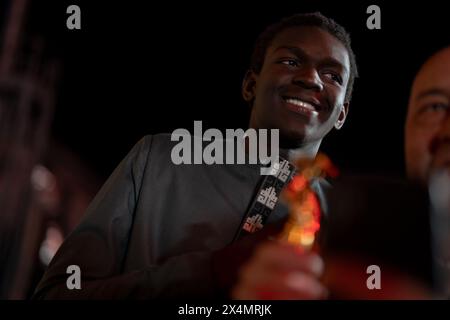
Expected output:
(300, 106)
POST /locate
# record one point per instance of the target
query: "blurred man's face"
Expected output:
(427, 130)
(301, 87)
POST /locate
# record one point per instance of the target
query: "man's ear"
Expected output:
(342, 116)
(249, 86)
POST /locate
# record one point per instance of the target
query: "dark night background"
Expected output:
(136, 69)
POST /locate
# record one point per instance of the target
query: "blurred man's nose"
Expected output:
(308, 78)
(442, 135)
(444, 129)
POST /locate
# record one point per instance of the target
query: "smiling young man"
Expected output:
(156, 229)
(302, 82)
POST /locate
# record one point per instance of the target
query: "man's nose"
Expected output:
(308, 78)
(442, 135)
(444, 128)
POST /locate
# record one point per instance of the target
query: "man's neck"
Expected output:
(305, 151)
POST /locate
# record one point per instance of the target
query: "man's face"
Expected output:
(427, 130)
(301, 87)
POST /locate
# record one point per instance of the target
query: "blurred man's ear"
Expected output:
(249, 86)
(342, 116)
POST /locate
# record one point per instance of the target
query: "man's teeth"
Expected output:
(301, 103)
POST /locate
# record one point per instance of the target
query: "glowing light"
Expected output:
(304, 206)
(307, 239)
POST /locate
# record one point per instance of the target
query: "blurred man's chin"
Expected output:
(291, 140)
(441, 168)
(439, 164)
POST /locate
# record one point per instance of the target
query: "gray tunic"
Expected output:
(152, 227)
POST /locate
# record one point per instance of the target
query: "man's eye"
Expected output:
(290, 62)
(438, 106)
(334, 77)
(433, 113)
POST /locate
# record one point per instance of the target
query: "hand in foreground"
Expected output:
(280, 271)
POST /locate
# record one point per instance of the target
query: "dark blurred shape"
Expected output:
(379, 221)
(44, 189)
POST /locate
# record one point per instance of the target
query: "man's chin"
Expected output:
(440, 169)
(291, 140)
